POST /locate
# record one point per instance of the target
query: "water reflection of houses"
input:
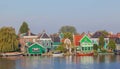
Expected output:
(69, 59)
(83, 59)
(86, 59)
(33, 62)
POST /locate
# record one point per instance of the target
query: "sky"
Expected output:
(50, 15)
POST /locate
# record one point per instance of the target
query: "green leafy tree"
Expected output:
(112, 45)
(61, 48)
(101, 42)
(95, 47)
(105, 33)
(68, 35)
(24, 28)
(70, 29)
(8, 39)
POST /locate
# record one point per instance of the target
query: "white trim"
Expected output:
(38, 44)
(45, 38)
(43, 34)
(30, 36)
(84, 37)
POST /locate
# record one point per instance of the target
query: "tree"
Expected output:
(70, 29)
(95, 47)
(8, 39)
(24, 28)
(68, 35)
(104, 33)
(61, 48)
(112, 45)
(101, 42)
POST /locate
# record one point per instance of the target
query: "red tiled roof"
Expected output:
(76, 39)
(62, 40)
(114, 35)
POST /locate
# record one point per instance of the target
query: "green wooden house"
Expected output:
(86, 44)
(36, 48)
(45, 40)
(56, 40)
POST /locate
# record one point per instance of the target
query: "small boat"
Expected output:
(117, 52)
(11, 54)
(84, 54)
(57, 54)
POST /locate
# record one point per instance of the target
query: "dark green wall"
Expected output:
(36, 49)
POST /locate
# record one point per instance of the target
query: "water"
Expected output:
(68, 62)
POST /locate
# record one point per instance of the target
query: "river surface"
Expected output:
(67, 62)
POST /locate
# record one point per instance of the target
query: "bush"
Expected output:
(61, 48)
(103, 51)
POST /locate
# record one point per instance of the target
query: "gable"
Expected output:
(55, 39)
(85, 39)
(98, 34)
(76, 39)
(36, 45)
(44, 35)
(36, 49)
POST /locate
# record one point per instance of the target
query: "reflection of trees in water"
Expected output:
(101, 58)
(111, 58)
(108, 58)
(34, 62)
(117, 58)
(7, 64)
(95, 58)
(83, 59)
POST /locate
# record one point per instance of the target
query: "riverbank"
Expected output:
(44, 54)
(11, 54)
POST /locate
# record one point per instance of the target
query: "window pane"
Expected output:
(82, 48)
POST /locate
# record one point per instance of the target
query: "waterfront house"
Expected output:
(76, 39)
(95, 38)
(86, 44)
(45, 40)
(25, 38)
(56, 40)
(116, 38)
(35, 48)
(83, 43)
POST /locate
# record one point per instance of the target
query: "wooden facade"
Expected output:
(45, 41)
(36, 49)
(86, 44)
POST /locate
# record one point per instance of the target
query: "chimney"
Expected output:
(29, 33)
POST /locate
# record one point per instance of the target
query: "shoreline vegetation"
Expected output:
(47, 54)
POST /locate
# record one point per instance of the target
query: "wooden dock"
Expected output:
(31, 54)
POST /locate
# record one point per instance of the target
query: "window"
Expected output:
(82, 48)
(92, 41)
(106, 41)
(88, 48)
(35, 49)
(85, 48)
